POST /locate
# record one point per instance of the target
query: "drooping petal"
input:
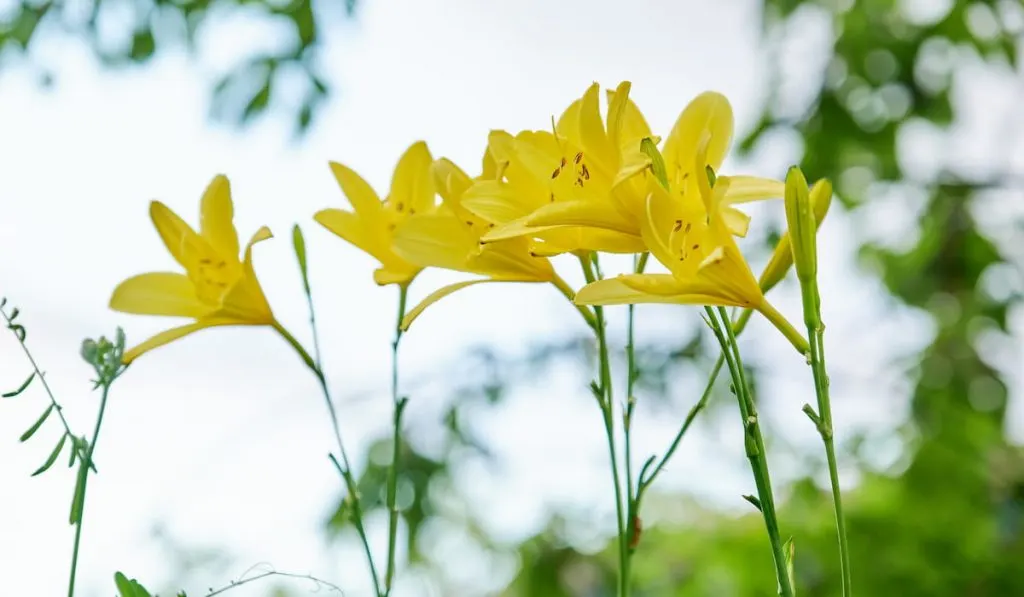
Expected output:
(439, 294)
(178, 236)
(709, 113)
(744, 189)
(581, 213)
(216, 217)
(359, 193)
(171, 335)
(158, 293)
(412, 183)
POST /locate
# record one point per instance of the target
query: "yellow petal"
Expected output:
(412, 182)
(452, 183)
(436, 240)
(618, 101)
(158, 293)
(514, 229)
(708, 113)
(171, 335)
(630, 289)
(736, 221)
(384, 276)
(500, 146)
(592, 133)
(744, 189)
(178, 237)
(359, 193)
(353, 229)
(245, 300)
(439, 294)
(495, 201)
(569, 122)
(581, 213)
(216, 217)
(658, 216)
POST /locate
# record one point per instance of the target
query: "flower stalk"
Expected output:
(603, 393)
(753, 443)
(396, 444)
(800, 207)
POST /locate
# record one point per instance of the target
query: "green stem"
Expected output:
(396, 445)
(345, 467)
(753, 442)
(79, 505)
(632, 505)
(42, 378)
(816, 333)
(607, 404)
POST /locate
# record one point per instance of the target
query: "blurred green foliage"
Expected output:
(948, 518)
(123, 33)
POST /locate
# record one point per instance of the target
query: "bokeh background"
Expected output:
(213, 456)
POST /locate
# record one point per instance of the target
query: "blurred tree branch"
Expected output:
(131, 32)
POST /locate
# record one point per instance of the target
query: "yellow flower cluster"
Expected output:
(593, 183)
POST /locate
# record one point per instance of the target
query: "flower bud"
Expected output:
(802, 225)
(782, 257)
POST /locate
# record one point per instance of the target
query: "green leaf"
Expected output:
(53, 456)
(143, 45)
(129, 587)
(22, 387)
(76, 500)
(299, 243)
(35, 426)
(259, 101)
(789, 550)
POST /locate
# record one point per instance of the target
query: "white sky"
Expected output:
(222, 437)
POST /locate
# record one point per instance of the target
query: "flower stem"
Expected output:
(396, 445)
(823, 418)
(753, 442)
(606, 402)
(633, 525)
(78, 506)
(344, 467)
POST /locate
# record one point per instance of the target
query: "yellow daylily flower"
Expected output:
(620, 207)
(692, 240)
(565, 173)
(449, 238)
(372, 224)
(217, 287)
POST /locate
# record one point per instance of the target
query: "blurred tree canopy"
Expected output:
(121, 33)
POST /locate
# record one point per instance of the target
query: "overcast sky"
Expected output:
(221, 437)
